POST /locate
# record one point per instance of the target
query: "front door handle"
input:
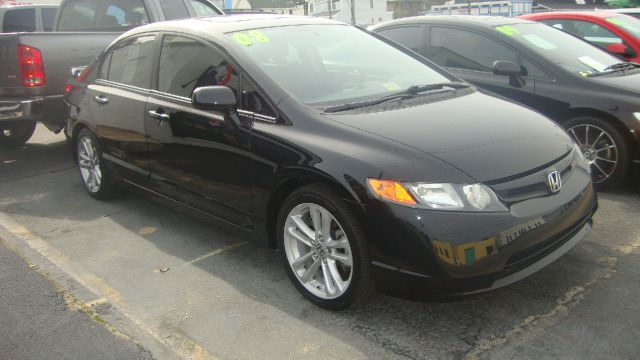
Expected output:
(161, 117)
(101, 99)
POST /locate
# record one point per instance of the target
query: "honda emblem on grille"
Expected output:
(554, 181)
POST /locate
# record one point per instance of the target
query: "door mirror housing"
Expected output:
(511, 69)
(213, 98)
(620, 49)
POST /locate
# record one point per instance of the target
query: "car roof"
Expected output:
(218, 25)
(474, 20)
(593, 14)
(18, 6)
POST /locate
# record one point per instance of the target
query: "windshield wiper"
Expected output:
(410, 92)
(617, 67)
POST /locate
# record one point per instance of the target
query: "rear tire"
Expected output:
(16, 134)
(324, 249)
(94, 173)
(604, 147)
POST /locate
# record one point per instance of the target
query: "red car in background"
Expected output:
(616, 33)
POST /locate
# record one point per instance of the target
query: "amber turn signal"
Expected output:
(391, 190)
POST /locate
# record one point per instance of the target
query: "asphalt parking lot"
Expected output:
(185, 289)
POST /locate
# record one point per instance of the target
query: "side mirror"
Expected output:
(619, 49)
(213, 98)
(511, 69)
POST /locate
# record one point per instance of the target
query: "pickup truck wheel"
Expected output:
(324, 249)
(16, 134)
(93, 171)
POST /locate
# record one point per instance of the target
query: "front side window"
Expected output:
(19, 20)
(186, 64)
(461, 49)
(131, 62)
(332, 64)
(407, 36)
(203, 8)
(174, 9)
(48, 17)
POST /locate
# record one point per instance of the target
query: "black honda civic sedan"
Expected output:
(357, 159)
(593, 94)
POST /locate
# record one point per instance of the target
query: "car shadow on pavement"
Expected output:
(128, 239)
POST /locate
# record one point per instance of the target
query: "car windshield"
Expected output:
(333, 64)
(628, 23)
(563, 49)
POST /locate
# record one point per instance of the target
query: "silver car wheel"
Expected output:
(598, 148)
(89, 164)
(318, 251)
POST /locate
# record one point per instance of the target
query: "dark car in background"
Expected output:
(618, 34)
(593, 94)
(27, 18)
(359, 160)
(36, 67)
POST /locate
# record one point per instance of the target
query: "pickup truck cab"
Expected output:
(36, 66)
(27, 18)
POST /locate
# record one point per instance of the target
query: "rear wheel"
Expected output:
(94, 173)
(16, 134)
(604, 147)
(323, 247)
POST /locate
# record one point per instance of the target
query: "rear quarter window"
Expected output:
(48, 17)
(174, 9)
(19, 20)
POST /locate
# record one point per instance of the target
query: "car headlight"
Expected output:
(445, 197)
(637, 115)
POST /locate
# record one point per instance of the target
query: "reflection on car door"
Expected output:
(470, 56)
(117, 104)
(200, 158)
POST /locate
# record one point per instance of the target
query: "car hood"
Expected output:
(482, 136)
(628, 83)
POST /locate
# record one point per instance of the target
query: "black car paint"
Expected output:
(239, 167)
(561, 97)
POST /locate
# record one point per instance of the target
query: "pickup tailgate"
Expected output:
(60, 52)
(10, 69)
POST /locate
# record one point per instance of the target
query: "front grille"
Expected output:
(533, 185)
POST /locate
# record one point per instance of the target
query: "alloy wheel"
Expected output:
(89, 163)
(318, 251)
(598, 148)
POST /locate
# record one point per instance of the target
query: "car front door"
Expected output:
(470, 56)
(200, 158)
(117, 104)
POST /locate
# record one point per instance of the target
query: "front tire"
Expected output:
(604, 147)
(93, 171)
(16, 134)
(323, 247)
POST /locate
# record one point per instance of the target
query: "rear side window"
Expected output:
(407, 36)
(174, 9)
(187, 64)
(97, 15)
(19, 20)
(131, 62)
(203, 8)
(48, 16)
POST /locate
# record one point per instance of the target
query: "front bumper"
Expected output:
(418, 251)
(48, 110)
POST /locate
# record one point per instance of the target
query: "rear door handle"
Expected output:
(161, 117)
(101, 100)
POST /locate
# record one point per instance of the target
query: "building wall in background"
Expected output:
(368, 12)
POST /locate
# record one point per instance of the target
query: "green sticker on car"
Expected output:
(615, 21)
(508, 30)
(247, 39)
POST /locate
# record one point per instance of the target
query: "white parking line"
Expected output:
(216, 252)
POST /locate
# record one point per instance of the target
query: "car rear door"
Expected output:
(470, 55)
(118, 102)
(201, 158)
